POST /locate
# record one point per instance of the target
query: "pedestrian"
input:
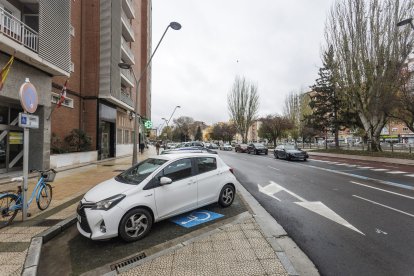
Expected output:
(157, 147)
(141, 147)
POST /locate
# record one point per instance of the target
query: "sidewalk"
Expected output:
(248, 246)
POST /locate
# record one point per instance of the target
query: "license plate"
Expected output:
(79, 219)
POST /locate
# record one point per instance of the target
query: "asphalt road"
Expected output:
(350, 218)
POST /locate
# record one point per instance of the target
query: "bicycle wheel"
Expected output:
(45, 197)
(7, 210)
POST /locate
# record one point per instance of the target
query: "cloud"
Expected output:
(275, 44)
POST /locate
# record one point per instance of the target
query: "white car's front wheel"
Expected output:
(227, 195)
(135, 225)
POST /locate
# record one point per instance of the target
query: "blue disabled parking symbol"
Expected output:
(195, 218)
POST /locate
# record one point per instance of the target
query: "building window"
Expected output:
(68, 102)
(72, 31)
(119, 136)
(126, 136)
(405, 128)
(394, 129)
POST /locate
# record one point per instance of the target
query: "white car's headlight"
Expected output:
(109, 202)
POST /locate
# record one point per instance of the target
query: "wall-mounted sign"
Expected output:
(29, 121)
(28, 97)
(15, 138)
(148, 124)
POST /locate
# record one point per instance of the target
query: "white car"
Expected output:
(155, 189)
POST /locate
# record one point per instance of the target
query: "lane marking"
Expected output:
(379, 189)
(396, 172)
(333, 163)
(364, 178)
(342, 164)
(385, 206)
(410, 175)
(365, 168)
(273, 168)
(316, 206)
(379, 170)
(379, 231)
(325, 211)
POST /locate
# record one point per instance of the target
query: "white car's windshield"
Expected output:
(138, 173)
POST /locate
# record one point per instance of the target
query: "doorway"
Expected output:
(11, 140)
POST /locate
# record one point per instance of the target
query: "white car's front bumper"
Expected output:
(90, 222)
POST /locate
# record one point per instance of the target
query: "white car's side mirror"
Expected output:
(165, 180)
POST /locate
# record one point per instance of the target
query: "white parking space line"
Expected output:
(379, 189)
(410, 175)
(385, 206)
(379, 170)
(396, 172)
(273, 168)
(365, 168)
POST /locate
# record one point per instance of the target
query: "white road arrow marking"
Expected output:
(317, 207)
(323, 210)
(379, 231)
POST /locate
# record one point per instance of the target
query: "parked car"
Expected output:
(241, 148)
(226, 147)
(213, 146)
(290, 152)
(154, 189)
(257, 148)
(188, 150)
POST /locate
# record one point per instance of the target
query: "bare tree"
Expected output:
(243, 104)
(274, 127)
(185, 124)
(370, 52)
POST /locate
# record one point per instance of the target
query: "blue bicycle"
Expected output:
(11, 202)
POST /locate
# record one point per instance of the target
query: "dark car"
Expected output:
(256, 148)
(241, 148)
(290, 152)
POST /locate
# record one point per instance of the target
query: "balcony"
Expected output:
(127, 31)
(128, 7)
(16, 30)
(127, 78)
(126, 52)
(126, 99)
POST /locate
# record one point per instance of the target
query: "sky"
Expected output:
(275, 44)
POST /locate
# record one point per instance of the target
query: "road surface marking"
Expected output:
(323, 210)
(379, 170)
(379, 189)
(365, 168)
(379, 231)
(351, 165)
(316, 207)
(273, 168)
(332, 163)
(342, 164)
(385, 206)
(408, 187)
(410, 175)
(396, 172)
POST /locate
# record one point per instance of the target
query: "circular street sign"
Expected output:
(28, 97)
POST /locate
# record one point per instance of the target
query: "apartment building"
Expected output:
(37, 33)
(100, 95)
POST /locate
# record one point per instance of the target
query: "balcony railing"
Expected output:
(127, 49)
(127, 73)
(126, 98)
(128, 7)
(18, 31)
(129, 31)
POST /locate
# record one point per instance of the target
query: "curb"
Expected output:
(35, 249)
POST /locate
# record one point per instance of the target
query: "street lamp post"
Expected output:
(168, 121)
(174, 26)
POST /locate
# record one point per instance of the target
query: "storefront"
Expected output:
(106, 130)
